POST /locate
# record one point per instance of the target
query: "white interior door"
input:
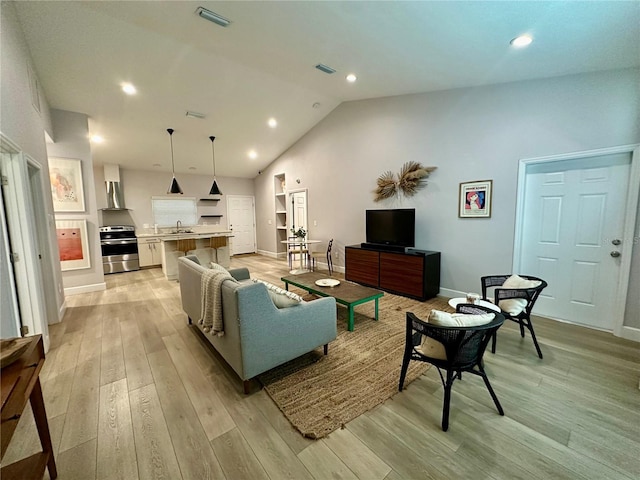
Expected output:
(23, 237)
(9, 313)
(298, 203)
(573, 222)
(241, 213)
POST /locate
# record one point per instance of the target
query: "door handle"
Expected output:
(615, 254)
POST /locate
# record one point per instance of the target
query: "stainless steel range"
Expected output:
(119, 249)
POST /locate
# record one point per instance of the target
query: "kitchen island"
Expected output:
(166, 248)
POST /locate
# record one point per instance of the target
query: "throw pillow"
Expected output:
(215, 266)
(433, 348)
(281, 298)
(515, 306)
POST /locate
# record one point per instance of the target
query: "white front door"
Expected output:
(573, 222)
(240, 210)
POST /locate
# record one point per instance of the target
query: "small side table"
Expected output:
(20, 381)
(453, 303)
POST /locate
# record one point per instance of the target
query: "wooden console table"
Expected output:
(20, 382)
(414, 273)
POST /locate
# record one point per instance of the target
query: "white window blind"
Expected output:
(168, 210)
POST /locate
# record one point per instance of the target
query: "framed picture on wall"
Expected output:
(65, 175)
(474, 200)
(73, 244)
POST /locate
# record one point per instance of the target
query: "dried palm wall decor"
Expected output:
(411, 178)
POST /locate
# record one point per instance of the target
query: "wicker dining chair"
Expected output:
(523, 319)
(464, 347)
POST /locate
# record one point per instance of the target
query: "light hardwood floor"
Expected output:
(132, 391)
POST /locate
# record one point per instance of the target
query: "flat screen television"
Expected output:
(396, 227)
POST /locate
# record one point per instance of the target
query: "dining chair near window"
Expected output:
(453, 344)
(515, 295)
(326, 255)
(297, 249)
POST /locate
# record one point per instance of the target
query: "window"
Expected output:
(167, 211)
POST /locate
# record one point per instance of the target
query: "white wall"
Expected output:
(469, 134)
(24, 124)
(71, 135)
(139, 186)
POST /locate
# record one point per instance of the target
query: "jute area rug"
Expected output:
(319, 393)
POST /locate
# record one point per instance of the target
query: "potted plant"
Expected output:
(300, 232)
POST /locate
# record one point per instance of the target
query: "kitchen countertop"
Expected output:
(176, 236)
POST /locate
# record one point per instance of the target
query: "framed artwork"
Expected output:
(474, 200)
(73, 244)
(65, 175)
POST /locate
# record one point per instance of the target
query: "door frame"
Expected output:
(24, 240)
(253, 208)
(629, 219)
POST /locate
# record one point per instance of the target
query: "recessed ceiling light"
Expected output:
(128, 88)
(521, 41)
(192, 168)
(157, 165)
(272, 122)
(97, 139)
(351, 78)
(253, 154)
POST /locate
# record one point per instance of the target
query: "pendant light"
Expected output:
(174, 187)
(214, 188)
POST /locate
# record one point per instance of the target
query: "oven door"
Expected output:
(120, 246)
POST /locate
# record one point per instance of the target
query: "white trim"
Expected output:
(629, 218)
(630, 333)
(96, 287)
(271, 254)
(449, 293)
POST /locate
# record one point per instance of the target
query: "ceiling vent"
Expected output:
(213, 17)
(324, 68)
(193, 114)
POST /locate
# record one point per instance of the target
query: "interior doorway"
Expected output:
(298, 207)
(574, 228)
(241, 213)
(25, 212)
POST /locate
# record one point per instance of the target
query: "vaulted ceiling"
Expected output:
(262, 65)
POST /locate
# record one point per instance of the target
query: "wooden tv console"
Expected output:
(414, 273)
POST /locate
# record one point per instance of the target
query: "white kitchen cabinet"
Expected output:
(149, 253)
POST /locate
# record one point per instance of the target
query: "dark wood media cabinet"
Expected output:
(415, 273)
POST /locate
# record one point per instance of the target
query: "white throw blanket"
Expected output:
(211, 301)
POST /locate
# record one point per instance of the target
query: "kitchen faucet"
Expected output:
(178, 225)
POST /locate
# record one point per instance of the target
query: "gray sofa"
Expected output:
(257, 335)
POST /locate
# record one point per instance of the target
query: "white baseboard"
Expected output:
(449, 293)
(269, 254)
(631, 333)
(96, 287)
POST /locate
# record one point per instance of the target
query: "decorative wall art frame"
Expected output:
(73, 244)
(474, 199)
(67, 192)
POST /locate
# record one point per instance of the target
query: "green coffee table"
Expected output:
(347, 293)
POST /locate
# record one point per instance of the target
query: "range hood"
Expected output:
(115, 195)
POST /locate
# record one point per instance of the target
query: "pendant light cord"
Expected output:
(213, 156)
(173, 168)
